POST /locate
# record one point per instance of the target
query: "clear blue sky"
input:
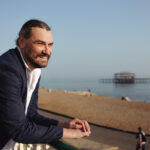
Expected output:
(92, 38)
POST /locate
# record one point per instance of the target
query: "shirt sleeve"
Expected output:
(12, 115)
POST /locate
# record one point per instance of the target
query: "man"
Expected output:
(141, 139)
(19, 83)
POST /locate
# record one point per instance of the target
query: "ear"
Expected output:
(21, 42)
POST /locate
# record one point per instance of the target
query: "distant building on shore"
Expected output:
(124, 77)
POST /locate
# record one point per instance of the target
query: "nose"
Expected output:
(48, 50)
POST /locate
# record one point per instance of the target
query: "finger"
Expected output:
(75, 124)
(84, 128)
(86, 134)
(79, 124)
(87, 126)
(82, 124)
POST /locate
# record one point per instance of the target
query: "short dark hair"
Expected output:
(27, 26)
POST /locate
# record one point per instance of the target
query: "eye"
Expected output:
(39, 42)
(50, 45)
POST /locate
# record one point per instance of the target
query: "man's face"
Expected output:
(37, 49)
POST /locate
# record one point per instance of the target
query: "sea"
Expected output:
(135, 92)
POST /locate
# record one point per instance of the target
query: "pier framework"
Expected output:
(125, 78)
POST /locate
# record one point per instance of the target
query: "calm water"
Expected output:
(138, 91)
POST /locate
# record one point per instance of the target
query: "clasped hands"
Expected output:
(75, 128)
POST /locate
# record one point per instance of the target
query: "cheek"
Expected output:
(36, 51)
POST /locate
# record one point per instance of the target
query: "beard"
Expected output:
(35, 60)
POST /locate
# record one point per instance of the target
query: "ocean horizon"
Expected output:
(136, 91)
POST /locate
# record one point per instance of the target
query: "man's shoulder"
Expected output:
(11, 59)
(8, 56)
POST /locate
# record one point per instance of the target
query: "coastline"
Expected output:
(104, 111)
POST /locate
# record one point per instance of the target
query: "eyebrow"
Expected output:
(39, 41)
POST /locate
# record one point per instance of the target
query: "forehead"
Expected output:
(41, 34)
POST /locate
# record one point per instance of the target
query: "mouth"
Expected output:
(44, 57)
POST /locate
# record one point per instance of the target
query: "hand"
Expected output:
(76, 124)
(74, 133)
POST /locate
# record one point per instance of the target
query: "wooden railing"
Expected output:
(60, 145)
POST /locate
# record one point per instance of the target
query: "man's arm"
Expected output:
(70, 127)
(12, 115)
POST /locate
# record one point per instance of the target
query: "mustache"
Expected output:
(43, 55)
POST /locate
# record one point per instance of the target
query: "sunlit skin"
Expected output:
(37, 49)
(75, 129)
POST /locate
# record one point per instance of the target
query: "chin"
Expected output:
(43, 65)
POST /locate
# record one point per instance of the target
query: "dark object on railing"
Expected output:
(62, 146)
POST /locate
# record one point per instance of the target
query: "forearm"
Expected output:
(42, 120)
(37, 134)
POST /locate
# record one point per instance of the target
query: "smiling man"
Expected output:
(19, 77)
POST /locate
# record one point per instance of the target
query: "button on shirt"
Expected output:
(32, 79)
